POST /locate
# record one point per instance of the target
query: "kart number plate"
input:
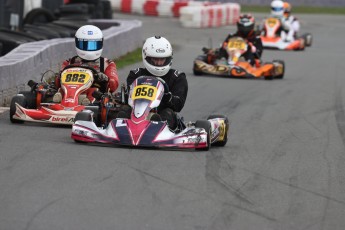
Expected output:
(75, 77)
(236, 44)
(272, 22)
(144, 92)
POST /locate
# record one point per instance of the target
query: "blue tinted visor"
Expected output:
(89, 45)
(277, 9)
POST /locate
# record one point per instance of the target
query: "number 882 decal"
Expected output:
(75, 78)
(144, 92)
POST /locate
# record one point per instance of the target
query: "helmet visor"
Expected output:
(89, 45)
(161, 61)
(277, 9)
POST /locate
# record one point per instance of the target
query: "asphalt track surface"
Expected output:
(282, 169)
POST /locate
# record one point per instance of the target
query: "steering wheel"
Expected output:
(166, 87)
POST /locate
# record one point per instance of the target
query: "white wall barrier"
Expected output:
(210, 16)
(29, 60)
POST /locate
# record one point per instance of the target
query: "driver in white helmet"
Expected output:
(157, 57)
(89, 47)
(277, 11)
(292, 21)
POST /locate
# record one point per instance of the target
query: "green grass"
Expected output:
(128, 59)
(296, 9)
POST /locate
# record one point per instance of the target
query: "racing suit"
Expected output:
(294, 26)
(107, 77)
(254, 49)
(173, 101)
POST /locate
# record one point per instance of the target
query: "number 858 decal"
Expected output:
(144, 92)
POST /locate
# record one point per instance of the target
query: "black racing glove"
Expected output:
(167, 98)
(102, 77)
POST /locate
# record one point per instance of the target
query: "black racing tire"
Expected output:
(38, 15)
(30, 98)
(308, 39)
(21, 101)
(205, 124)
(107, 10)
(281, 76)
(269, 78)
(196, 72)
(83, 116)
(227, 125)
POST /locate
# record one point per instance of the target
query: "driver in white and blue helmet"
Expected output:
(89, 47)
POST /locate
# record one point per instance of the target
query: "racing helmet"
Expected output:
(287, 9)
(277, 8)
(157, 55)
(89, 42)
(245, 24)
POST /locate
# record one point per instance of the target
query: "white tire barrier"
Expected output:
(210, 16)
(167, 8)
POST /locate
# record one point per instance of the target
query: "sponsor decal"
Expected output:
(160, 50)
(195, 140)
(62, 119)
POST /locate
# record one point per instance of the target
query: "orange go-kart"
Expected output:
(271, 37)
(236, 66)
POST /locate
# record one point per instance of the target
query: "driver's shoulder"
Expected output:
(176, 73)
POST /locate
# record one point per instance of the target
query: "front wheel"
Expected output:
(83, 116)
(207, 126)
(19, 99)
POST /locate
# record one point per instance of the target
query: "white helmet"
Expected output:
(277, 8)
(89, 42)
(156, 48)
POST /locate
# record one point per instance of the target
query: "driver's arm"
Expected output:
(179, 92)
(111, 72)
(259, 47)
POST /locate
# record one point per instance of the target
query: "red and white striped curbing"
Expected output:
(155, 7)
(210, 16)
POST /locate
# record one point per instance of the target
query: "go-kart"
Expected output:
(145, 129)
(236, 66)
(271, 37)
(39, 104)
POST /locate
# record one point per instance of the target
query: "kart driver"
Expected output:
(157, 57)
(277, 11)
(245, 29)
(89, 46)
(292, 21)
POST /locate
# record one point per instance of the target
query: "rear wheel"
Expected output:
(226, 121)
(280, 76)
(207, 126)
(308, 39)
(22, 102)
